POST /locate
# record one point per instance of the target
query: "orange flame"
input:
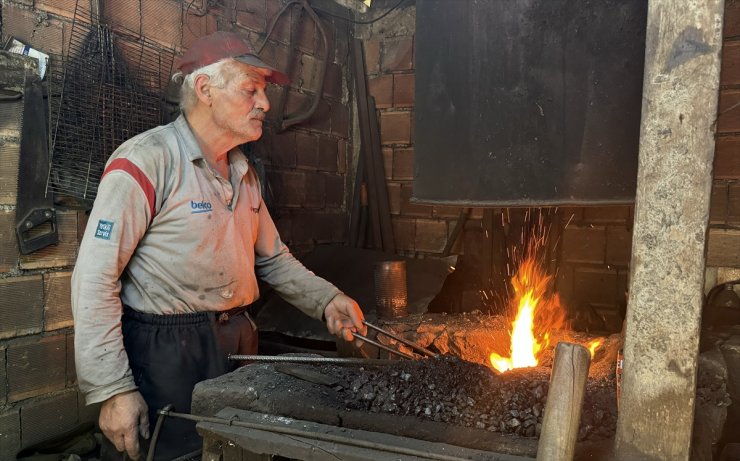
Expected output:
(538, 313)
(593, 345)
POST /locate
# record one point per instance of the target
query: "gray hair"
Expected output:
(218, 73)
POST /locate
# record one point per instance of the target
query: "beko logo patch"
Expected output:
(200, 207)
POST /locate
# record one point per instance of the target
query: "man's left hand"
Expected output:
(344, 317)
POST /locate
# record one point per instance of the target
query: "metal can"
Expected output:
(390, 289)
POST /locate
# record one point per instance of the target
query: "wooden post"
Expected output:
(674, 183)
(564, 402)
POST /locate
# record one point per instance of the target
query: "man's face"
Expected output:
(239, 107)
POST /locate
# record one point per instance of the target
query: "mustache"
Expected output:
(258, 114)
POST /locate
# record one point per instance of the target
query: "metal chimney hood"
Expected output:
(528, 102)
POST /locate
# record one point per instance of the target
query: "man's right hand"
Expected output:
(122, 418)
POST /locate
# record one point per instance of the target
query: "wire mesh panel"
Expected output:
(109, 89)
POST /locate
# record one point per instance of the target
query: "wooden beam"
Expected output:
(679, 112)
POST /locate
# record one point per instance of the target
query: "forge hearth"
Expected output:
(462, 402)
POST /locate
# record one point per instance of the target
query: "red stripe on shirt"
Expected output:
(138, 175)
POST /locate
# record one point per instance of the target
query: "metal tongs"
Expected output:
(377, 344)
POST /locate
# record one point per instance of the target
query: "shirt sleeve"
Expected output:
(285, 274)
(120, 216)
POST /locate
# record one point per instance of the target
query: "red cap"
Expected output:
(220, 45)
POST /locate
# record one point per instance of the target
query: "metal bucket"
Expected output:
(391, 299)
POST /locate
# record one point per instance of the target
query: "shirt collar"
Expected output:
(237, 160)
(190, 146)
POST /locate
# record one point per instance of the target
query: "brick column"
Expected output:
(682, 63)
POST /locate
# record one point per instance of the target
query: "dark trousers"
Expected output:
(168, 355)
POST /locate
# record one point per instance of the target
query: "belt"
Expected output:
(224, 316)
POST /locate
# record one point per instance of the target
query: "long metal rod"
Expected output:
(314, 436)
(297, 359)
(383, 346)
(416, 347)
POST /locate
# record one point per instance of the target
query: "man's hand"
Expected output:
(120, 417)
(344, 317)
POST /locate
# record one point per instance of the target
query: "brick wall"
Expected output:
(305, 169)
(724, 234)
(594, 243)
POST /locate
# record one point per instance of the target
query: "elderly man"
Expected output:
(169, 261)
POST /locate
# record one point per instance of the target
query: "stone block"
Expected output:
(395, 127)
(595, 286)
(9, 253)
(252, 14)
(431, 235)
(387, 162)
(63, 253)
(730, 74)
(161, 21)
(10, 434)
(729, 111)
(10, 151)
(618, 246)
(289, 187)
(340, 118)
(443, 211)
(121, 14)
(21, 305)
(412, 209)
(733, 204)
(71, 376)
(196, 26)
(58, 305)
(584, 244)
(404, 233)
(302, 228)
(307, 151)
(42, 420)
(334, 185)
(333, 81)
(306, 36)
(372, 55)
(3, 378)
(403, 90)
(723, 248)
(284, 146)
(718, 203)
(731, 19)
(36, 367)
(342, 147)
(65, 8)
(321, 119)
(394, 197)
(328, 154)
(403, 164)
(397, 55)
(381, 88)
(315, 190)
(607, 214)
(727, 158)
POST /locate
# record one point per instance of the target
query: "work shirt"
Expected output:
(168, 235)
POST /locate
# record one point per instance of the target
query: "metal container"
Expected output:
(391, 300)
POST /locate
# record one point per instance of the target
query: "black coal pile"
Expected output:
(462, 393)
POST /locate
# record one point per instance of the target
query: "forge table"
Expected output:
(304, 440)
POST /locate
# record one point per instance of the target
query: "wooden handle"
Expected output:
(564, 402)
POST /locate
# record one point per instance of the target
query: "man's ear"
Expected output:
(202, 86)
